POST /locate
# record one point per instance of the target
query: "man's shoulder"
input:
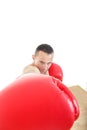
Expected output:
(30, 68)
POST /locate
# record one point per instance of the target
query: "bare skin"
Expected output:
(41, 63)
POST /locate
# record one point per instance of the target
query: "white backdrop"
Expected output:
(24, 24)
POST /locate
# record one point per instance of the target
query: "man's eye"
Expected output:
(41, 62)
(49, 63)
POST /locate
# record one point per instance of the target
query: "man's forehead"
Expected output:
(44, 54)
(45, 58)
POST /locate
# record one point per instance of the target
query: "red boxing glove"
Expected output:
(56, 71)
(37, 102)
(71, 97)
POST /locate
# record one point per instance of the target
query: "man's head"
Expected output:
(43, 57)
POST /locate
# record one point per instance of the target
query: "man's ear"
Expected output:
(33, 57)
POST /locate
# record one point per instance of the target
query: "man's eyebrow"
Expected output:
(44, 62)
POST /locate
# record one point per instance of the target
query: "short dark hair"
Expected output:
(45, 48)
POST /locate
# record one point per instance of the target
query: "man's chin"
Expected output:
(45, 72)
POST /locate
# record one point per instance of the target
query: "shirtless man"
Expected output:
(42, 60)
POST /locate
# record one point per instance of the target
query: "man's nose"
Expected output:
(46, 66)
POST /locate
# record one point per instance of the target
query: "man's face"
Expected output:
(43, 61)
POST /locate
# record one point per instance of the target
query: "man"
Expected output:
(42, 60)
(43, 63)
